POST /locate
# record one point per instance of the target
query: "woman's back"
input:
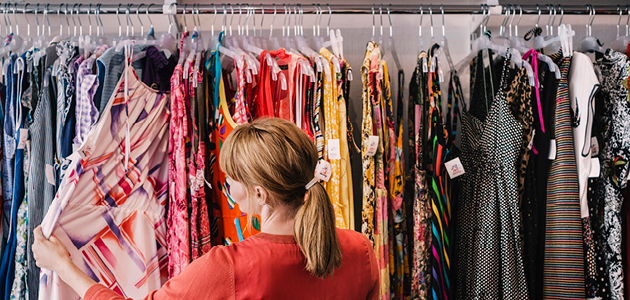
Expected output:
(268, 266)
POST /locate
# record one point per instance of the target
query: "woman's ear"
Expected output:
(260, 195)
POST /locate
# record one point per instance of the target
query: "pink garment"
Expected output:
(177, 220)
(111, 218)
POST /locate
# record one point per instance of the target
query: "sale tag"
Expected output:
(486, 59)
(23, 138)
(50, 174)
(372, 145)
(334, 150)
(454, 168)
(595, 168)
(552, 149)
(594, 146)
(323, 171)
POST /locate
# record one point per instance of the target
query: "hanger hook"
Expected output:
(17, 25)
(170, 17)
(275, 11)
(79, 19)
(561, 14)
(442, 11)
(389, 16)
(149, 16)
(231, 18)
(215, 18)
(65, 13)
(47, 20)
(36, 19)
(539, 14)
(329, 18)
(420, 25)
(139, 19)
(373, 22)
(262, 19)
(431, 17)
(224, 26)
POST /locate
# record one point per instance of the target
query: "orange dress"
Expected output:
(229, 224)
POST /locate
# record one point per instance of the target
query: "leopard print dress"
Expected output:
(519, 100)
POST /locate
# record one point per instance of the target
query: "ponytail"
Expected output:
(315, 233)
(278, 156)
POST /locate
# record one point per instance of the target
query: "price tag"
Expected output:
(531, 141)
(425, 68)
(50, 174)
(441, 75)
(595, 168)
(454, 168)
(23, 138)
(75, 147)
(372, 145)
(594, 146)
(323, 171)
(334, 150)
(552, 149)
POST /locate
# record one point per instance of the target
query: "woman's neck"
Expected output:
(278, 221)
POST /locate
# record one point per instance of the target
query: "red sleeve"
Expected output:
(210, 275)
(374, 272)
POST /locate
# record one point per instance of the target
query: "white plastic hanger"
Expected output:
(621, 42)
(444, 43)
(166, 42)
(28, 40)
(482, 42)
(16, 41)
(590, 43)
(273, 41)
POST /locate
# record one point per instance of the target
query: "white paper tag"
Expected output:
(432, 66)
(425, 68)
(486, 59)
(323, 171)
(441, 75)
(531, 141)
(75, 147)
(552, 149)
(334, 150)
(23, 138)
(595, 168)
(372, 145)
(594, 146)
(50, 174)
(454, 168)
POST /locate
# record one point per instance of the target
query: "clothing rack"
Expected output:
(279, 9)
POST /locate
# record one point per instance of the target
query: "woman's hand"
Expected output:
(50, 253)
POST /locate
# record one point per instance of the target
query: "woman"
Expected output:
(298, 254)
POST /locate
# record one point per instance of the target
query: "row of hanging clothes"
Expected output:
(531, 204)
(114, 148)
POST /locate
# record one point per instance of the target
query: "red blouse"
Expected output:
(268, 266)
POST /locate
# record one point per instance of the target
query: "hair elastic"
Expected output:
(312, 183)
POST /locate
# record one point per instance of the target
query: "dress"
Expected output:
(110, 215)
(489, 258)
(230, 223)
(564, 252)
(614, 156)
(418, 186)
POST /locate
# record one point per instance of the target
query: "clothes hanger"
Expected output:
(501, 39)
(16, 41)
(482, 42)
(420, 42)
(517, 41)
(444, 43)
(590, 43)
(390, 40)
(620, 43)
(27, 40)
(167, 43)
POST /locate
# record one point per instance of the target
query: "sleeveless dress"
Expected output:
(489, 256)
(229, 221)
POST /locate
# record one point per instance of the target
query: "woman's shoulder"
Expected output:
(352, 238)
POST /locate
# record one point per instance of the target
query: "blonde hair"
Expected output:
(278, 156)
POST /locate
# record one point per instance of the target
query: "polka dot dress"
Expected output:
(489, 255)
